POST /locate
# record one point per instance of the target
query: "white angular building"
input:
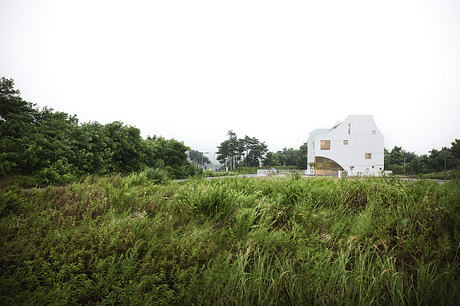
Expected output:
(354, 146)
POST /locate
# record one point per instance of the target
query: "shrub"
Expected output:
(247, 170)
(209, 173)
(59, 173)
(10, 202)
(157, 175)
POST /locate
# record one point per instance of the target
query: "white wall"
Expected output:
(361, 140)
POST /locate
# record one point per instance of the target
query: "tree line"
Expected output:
(56, 146)
(288, 157)
(249, 151)
(401, 161)
(234, 152)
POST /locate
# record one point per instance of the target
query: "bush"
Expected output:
(22, 181)
(247, 170)
(10, 202)
(209, 173)
(157, 175)
(59, 173)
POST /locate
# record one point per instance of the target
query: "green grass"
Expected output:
(452, 174)
(117, 240)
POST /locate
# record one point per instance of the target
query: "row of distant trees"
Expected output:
(198, 158)
(235, 152)
(403, 162)
(54, 144)
(288, 157)
(249, 151)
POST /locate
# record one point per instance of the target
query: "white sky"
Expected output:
(275, 70)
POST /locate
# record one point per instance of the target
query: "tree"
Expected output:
(168, 154)
(402, 162)
(198, 158)
(303, 154)
(248, 150)
(254, 151)
(289, 157)
(229, 151)
(55, 145)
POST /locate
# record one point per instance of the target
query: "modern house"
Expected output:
(353, 146)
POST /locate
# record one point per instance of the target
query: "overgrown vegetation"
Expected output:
(54, 148)
(119, 240)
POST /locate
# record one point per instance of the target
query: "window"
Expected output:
(345, 141)
(373, 131)
(349, 128)
(325, 144)
(368, 155)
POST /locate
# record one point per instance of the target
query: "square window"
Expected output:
(345, 142)
(368, 155)
(373, 131)
(325, 144)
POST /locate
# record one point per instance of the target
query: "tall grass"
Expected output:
(114, 240)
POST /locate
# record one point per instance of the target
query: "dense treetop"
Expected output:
(247, 151)
(54, 144)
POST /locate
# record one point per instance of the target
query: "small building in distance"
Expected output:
(354, 146)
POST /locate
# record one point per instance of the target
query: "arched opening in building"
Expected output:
(326, 166)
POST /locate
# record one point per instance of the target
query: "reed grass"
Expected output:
(117, 240)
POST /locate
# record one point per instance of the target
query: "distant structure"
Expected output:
(353, 146)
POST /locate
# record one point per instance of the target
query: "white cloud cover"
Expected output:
(192, 70)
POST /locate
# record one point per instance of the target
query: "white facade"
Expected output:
(355, 145)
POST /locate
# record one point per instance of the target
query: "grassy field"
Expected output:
(118, 240)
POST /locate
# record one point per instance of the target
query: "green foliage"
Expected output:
(211, 173)
(198, 158)
(59, 173)
(157, 175)
(169, 154)
(54, 146)
(10, 202)
(126, 239)
(247, 151)
(247, 170)
(452, 174)
(288, 157)
(403, 162)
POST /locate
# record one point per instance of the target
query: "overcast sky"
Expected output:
(275, 70)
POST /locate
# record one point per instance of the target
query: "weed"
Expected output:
(136, 239)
